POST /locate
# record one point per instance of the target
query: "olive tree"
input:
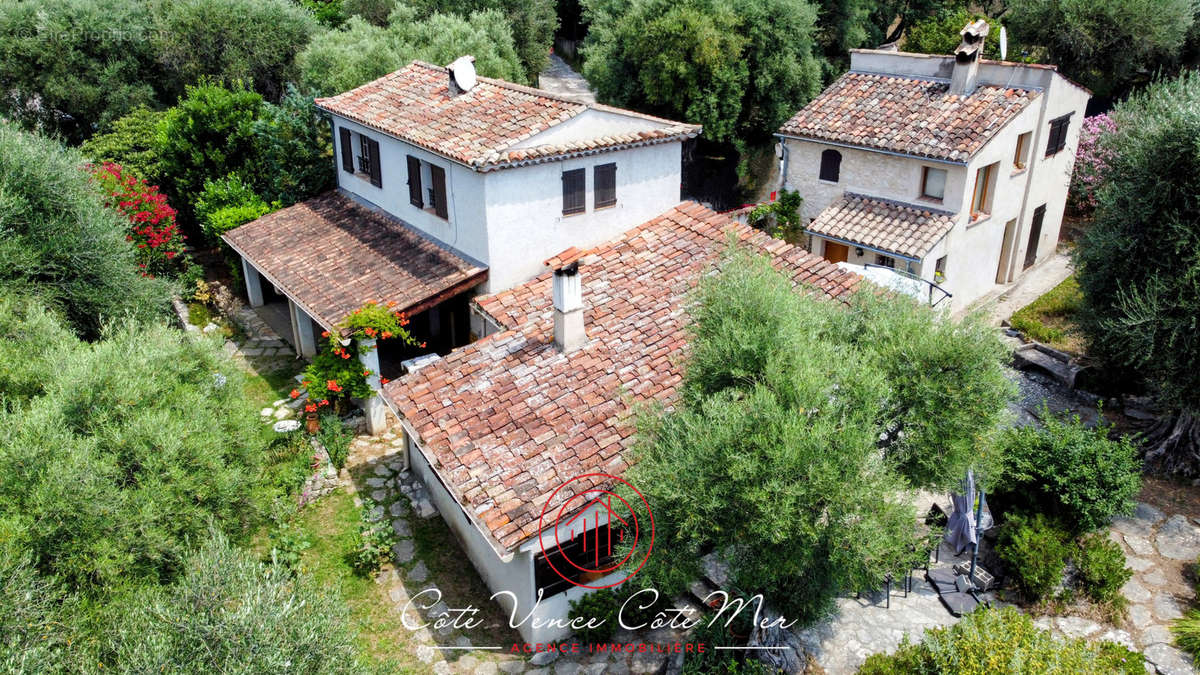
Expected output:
(1138, 264)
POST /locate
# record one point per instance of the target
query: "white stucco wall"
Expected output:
(465, 228)
(973, 250)
(511, 219)
(524, 208)
(516, 575)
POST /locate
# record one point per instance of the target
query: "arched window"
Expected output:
(831, 165)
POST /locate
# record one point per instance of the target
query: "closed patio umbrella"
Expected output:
(960, 528)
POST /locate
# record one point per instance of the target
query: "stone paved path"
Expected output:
(375, 469)
(558, 78)
(1031, 286)
(1157, 549)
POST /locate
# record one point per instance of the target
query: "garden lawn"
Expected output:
(1051, 319)
(331, 525)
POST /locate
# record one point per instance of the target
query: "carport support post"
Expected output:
(253, 284)
(306, 342)
(375, 408)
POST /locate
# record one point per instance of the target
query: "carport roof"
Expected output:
(331, 255)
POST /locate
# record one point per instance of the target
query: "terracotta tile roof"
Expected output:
(331, 254)
(480, 127)
(906, 229)
(507, 419)
(906, 115)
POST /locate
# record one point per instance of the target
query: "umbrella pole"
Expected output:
(975, 546)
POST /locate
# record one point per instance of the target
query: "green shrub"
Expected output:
(137, 444)
(600, 606)
(61, 244)
(336, 438)
(1102, 571)
(288, 543)
(1001, 642)
(129, 142)
(228, 203)
(295, 150)
(229, 613)
(198, 314)
(373, 546)
(31, 338)
(1034, 552)
(1076, 474)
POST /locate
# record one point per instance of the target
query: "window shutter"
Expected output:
(573, 191)
(414, 182)
(831, 165)
(438, 174)
(376, 172)
(347, 150)
(605, 186)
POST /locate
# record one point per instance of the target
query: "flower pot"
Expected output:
(312, 423)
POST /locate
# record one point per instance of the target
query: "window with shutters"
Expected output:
(574, 191)
(1057, 139)
(366, 163)
(414, 182)
(437, 192)
(831, 165)
(347, 149)
(985, 187)
(604, 186)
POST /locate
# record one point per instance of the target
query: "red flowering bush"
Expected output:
(152, 227)
(336, 374)
(1091, 160)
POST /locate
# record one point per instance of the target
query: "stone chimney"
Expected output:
(966, 58)
(568, 302)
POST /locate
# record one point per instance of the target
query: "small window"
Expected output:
(574, 197)
(1021, 154)
(939, 270)
(604, 185)
(831, 165)
(368, 160)
(985, 184)
(1058, 135)
(886, 261)
(933, 183)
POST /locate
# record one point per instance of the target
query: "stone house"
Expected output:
(950, 169)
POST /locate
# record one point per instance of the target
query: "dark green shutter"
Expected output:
(373, 158)
(414, 182)
(604, 186)
(347, 150)
(573, 191)
(438, 174)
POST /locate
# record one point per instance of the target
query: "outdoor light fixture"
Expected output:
(858, 251)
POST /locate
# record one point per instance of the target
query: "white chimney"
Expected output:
(966, 58)
(568, 308)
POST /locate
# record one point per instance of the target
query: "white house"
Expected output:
(450, 185)
(951, 168)
(496, 427)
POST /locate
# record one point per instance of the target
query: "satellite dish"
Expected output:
(463, 71)
(1003, 43)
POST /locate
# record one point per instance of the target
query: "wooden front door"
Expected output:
(1035, 234)
(836, 253)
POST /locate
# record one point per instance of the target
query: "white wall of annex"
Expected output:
(524, 208)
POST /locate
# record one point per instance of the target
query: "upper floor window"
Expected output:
(1058, 134)
(933, 183)
(985, 185)
(366, 164)
(885, 260)
(574, 185)
(831, 165)
(434, 199)
(604, 185)
(1021, 154)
